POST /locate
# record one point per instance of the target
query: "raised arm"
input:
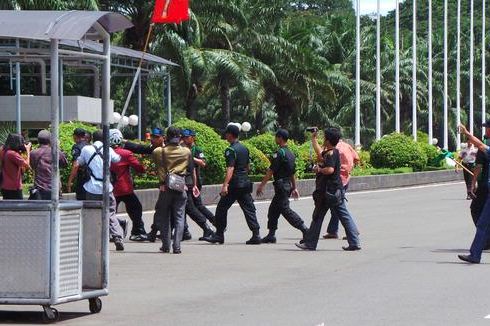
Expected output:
(474, 140)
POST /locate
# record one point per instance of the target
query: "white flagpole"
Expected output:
(430, 129)
(445, 127)
(458, 77)
(358, 76)
(378, 71)
(414, 71)
(471, 65)
(397, 68)
(483, 68)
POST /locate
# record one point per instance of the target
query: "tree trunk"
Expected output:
(190, 111)
(225, 102)
(144, 106)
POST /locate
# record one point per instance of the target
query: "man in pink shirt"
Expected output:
(348, 159)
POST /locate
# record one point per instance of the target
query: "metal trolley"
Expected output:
(54, 252)
(52, 256)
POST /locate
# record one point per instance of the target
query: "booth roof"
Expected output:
(60, 25)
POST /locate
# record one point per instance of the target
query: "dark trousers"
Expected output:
(135, 212)
(321, 209)
(333, 225)
(203, 209)
(477, 204)
(482, 233)
(467, 176)
(171, 204)
(12, 194)
(81, 193)
(246, 203)
(280, 205)
(39, 194)
(194, 213)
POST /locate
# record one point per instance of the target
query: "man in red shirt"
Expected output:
(348, 159)
(123, 185)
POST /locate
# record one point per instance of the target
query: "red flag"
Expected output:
(170, 11)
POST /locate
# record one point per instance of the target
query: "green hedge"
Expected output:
(398, 151)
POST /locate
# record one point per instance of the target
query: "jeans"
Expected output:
(245, 200)
(115, 229)
(171, 204)
(135, 212)
(321, 209)
(482, 233)
(333, 225)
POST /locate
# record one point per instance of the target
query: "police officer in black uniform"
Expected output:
(76, 150)
(283, 168)
(236, 187)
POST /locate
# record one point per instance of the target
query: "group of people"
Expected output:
(179, 162)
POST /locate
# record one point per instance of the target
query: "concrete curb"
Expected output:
(210, 194)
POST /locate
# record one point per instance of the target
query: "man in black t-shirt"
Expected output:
(79, 136)
(329, 194)
(479, 185)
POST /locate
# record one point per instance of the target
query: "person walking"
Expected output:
(468, 158)
(41, 160)
(123, 185)
(192, 209)
(283, 168)
(348, 159)
(91, 157)
(80, 139)
(479, 182)
(329, 194)
(173, 162)
(236, 187)
(13, 166)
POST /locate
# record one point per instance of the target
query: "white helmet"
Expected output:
(115, 137)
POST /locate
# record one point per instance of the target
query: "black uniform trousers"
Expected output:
(193, 212)
(481, 195)
(246, 202)
(203, 209)
(135, 212)
(280, 205)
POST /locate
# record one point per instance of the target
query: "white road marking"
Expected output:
(487, 317)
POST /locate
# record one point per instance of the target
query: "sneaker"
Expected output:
(304, 247)
(119, 244)
(352, 248)
(220, 239)
(468, 259)
(139, 237)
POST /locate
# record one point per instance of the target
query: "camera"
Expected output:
(312, 129)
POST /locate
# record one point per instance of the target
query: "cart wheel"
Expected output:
(50, 314)
(95, 305)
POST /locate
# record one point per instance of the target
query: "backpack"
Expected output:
(113, 177)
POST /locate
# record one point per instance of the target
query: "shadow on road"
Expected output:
(33, 317)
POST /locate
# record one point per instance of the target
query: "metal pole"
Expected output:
(458, 76)
(378, 71)
(358, 76)
(397, 68)
(169, 100)
(471, 65)
(446, 140)
(62, 97)
(18, 115)
(483, 67)
(414, 71)
(430, 129)
(55, 180)
(139, 107)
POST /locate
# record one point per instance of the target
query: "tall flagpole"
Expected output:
(483, 67)
(472, 41)
(414, 71)
(358, 75)
(430, 129)
(397, 68)
(378, 71)
(458, 76)
(445, 127)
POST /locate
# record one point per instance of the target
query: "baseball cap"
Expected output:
(486, 124)
(282, 133)
(188, 133)
(79, 132)
(157, 132)
(233, 130)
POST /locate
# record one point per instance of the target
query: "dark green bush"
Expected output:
(398, 151)
(260, 163)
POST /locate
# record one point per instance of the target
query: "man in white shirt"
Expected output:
(92, 158)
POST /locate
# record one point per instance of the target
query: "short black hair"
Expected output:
(233, 130)
(283, 133)
(173, 132)
(333, 135)
(79, 132)
(98, 135)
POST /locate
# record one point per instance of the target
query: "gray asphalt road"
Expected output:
(407, 273)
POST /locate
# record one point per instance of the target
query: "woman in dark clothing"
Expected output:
(13, 165)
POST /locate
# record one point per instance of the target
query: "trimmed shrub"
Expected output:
(260, 162)
(365, 160)
(398, 151)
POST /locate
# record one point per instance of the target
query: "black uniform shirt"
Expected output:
(238, 156)
(330, 182)
(283, 164)
(198, 153)
(76, 150)
(482, 159)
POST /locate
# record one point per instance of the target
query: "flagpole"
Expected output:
(397, 68)
(458, 76)
(483, 67)
(358, 76)
(414, 71)
(430, 129)
(471, 65)
(138, 72)
(378, 72)
(445, 127)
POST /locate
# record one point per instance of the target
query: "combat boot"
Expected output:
(255, 239)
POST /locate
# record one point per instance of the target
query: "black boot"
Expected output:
(255, 239)
(270, 238)
(217, 237)
(187, 235)
(152, 236)
(207, 232)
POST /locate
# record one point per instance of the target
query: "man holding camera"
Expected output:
(283, 168)
(329, 193)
